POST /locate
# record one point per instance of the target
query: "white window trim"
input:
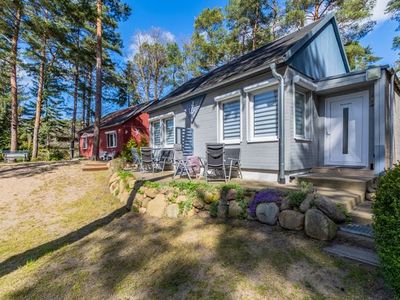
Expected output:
(226, 98)
(161, 119)
(114, 132)
(307, 117)
(252, 91)
(84, 142)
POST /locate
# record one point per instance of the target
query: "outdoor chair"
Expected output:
(147, 159)
(232, 161)
(103, 155)
(136, 159)
(111, 155)
(180, 162)
(215, 156)
(165, 158)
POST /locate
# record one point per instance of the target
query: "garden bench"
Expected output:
(14, 155)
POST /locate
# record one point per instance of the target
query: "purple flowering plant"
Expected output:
(264, 196)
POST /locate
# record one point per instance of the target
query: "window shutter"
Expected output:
(184, 136)
(266, 114)
(169, 128)
(231, 117)
(299, 114)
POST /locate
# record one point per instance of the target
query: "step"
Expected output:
(356, 235)
(341, 171)
(346, 199)
(354, 185)
(362, 213)
(95, 168)
(358, 254)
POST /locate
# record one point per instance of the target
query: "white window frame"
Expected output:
(85, 143)
(221, 100)
(163, 130)
(164, 125)
(113, 132)
(254, 90)
(307, 114)
(151, 134)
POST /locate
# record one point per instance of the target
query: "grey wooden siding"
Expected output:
(322, 57)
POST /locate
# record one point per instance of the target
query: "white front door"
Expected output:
(346, 130)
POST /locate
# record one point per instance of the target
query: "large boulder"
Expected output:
(172, 210)
(329, 208)
(131, 181)
(114, 188)
(198, 203)
(156, 207)
(267, 213)
(151, 193)
(319, 226)
(222, 209)
(114, 177)
(211, 196)
(234, 209)
(285, 204)
(292, 220)
(231, 195)
(145, 202)
(307, 203)
(181, 198)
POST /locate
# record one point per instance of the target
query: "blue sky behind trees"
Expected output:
(176, 18)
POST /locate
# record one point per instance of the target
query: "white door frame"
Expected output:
(365, 127)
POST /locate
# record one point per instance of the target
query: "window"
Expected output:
(111, 139)
(162, 130)
(84, 142)
(300, 115)
(169, 132)
(231, 120)
(156, 134)
(263, 118)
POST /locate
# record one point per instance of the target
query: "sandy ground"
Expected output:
(64, 237)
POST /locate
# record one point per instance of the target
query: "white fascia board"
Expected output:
(261, 85)
(305, 83)
(228, 96)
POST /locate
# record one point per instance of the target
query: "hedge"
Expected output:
(386, 225)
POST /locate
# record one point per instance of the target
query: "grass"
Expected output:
(138, 257)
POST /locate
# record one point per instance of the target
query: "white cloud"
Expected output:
(150, 37)
(378, 14)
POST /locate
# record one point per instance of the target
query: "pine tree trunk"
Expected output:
(84, 101)
(89, 98)
(13, 81)
(74, 110)
(39, 100)
(97, 113)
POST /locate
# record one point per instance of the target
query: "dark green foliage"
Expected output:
(126, 153)
(214, 209)
(298, 196)
(234, 186)
(386, 210)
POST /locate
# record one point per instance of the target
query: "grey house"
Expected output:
(291, 105)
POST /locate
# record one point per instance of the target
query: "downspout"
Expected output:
(281, 123)
(391, 99)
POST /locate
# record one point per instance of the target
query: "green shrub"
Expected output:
(386, 225)
(214, 209)
(232, 186)
(151, 184)
(185, 206)
(124, 174)
(126, 153)
(297, 197)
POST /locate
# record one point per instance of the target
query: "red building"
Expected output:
(116, 129)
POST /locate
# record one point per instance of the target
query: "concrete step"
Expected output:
(362, 213)
(340, 171)
(353, 185)
(346, 199)
(356, 235)
(358, 254)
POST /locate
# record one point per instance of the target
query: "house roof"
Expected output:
(278, 51)
(118, 117)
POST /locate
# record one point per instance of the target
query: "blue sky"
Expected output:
(176, 17)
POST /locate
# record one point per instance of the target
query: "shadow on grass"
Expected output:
(14, 262)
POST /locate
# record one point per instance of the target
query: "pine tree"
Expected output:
(393, 8)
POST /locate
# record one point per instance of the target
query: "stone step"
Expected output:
(95, 167)
(362, 213)
(340, 171)
(358, 254)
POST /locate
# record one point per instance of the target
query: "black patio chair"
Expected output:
(215, 156)
(232, 161)
(147, 157)
(165, 158)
